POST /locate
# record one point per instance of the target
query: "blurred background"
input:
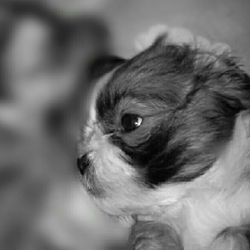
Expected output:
(46, 49)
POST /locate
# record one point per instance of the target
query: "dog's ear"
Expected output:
(102, 65)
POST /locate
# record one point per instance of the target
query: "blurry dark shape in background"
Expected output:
(66, 40)
(44, 79)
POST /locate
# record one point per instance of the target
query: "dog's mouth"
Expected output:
(83, 163)
(89, 179)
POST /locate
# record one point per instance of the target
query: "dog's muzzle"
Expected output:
(83, 163)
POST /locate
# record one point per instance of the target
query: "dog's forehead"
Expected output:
(148, 70)
(158, 74)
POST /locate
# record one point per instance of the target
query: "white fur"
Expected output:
(179, 36)
(91, 123)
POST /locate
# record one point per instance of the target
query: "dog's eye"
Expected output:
(130, 122)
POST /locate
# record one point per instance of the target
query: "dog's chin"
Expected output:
(92, 184)
(137, 200)
(114, 199)
(117, 205)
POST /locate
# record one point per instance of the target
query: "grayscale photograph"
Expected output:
(124, 125)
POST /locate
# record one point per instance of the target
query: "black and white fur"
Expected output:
(187, 164)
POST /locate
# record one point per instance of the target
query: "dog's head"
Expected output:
(159, 119)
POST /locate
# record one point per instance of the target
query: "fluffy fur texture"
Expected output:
(153, 236)
(187, 163)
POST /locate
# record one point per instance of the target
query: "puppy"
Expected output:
(168, 140)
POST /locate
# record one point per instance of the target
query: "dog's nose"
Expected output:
(83, 163)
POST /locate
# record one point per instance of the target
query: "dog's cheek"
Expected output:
(109, 169)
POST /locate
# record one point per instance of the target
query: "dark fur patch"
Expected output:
(102, 65)
(188, 103)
